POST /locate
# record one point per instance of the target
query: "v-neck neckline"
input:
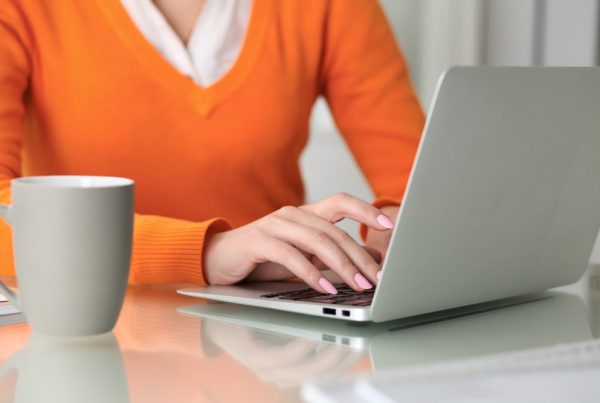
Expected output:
(205, 99)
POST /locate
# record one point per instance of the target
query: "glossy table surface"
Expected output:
(171, 348)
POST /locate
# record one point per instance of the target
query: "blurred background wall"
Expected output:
(436, 34)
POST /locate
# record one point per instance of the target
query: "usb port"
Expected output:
(329, 311)
(328, 338)
(345, 313)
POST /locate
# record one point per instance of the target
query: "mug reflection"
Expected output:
(69, 370)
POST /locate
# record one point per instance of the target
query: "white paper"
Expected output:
(549, 374)
(7, 309)
(562, 373)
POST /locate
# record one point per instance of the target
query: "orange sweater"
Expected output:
(83, 92)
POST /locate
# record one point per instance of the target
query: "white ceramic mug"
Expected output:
(72, 239)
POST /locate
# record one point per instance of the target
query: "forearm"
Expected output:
(168, 250)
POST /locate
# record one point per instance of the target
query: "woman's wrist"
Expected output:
(212, 253)
(210, 258)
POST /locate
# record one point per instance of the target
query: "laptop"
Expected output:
(503, 200)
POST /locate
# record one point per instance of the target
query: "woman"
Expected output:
(205, 104)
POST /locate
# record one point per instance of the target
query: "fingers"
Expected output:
(319, 243)
(286, 255)
(375, 254)
(327, 361)
(342, 205)
(270, 271)
(333, 246)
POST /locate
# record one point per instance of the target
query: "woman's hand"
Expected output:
(300, 241)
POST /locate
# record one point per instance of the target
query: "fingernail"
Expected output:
(327, 286)
(362, 282)
(385, 221)
(378, 275)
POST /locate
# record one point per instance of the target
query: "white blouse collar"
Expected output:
(215, 42)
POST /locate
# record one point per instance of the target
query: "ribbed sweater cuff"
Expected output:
(167, 250)
(379, 203)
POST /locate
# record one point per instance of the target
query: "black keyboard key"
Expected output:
(323, 300)
(346, 296)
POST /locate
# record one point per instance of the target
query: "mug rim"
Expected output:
(73, 181)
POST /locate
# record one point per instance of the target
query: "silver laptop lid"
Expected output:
(504, 197)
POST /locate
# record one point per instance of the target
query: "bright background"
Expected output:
(436, 34)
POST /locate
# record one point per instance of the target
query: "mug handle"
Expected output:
(8, 293)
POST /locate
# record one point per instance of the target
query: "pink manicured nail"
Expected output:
(362, 282)
(385, 221)
(378, 275)
(327, 286)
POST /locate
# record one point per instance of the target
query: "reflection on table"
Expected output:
(289, 348)
(69, 370)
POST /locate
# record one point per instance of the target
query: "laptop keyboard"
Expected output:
(345, 296)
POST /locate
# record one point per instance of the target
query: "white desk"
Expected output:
(159, 355)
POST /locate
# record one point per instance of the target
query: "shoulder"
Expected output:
(44, 11)
(326, 18)
(15, 21)
(33, 20)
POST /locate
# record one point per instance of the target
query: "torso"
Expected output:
(112, 105)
